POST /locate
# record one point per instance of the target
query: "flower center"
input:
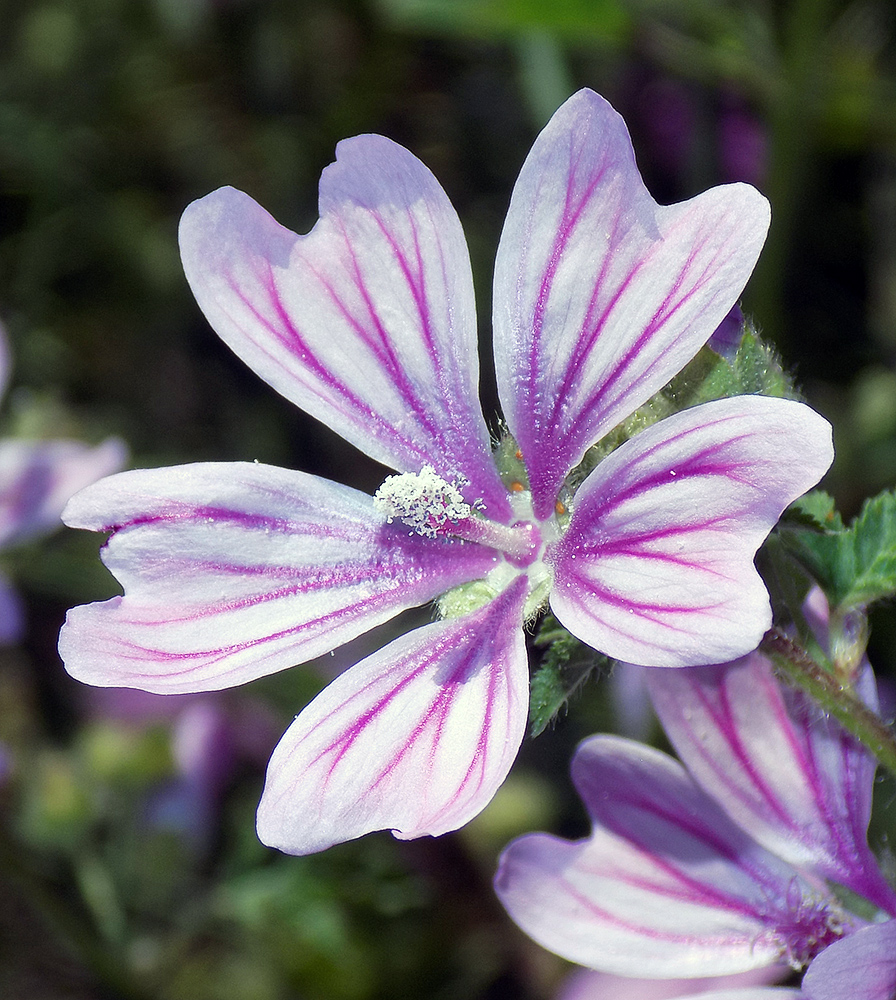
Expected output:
(807, 926)
(435, 507)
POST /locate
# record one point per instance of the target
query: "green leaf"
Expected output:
(855, 565)
(566, 666)
(605, 20)
(758, 369)
(815, 510)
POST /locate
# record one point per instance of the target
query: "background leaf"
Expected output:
(854, 566)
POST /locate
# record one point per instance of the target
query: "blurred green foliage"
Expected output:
(114, 114)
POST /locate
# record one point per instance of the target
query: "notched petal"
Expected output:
(235, 571)
(657, 564)
(368, 322)
(601, 295)
(415, 739)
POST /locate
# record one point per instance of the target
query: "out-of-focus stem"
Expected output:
(544, 76)
(799, 670)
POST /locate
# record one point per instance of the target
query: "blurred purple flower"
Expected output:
(232, 572)
(37, 478)
(205, 752)
(718, 866)
(667, 109)
(743, 143)
(210, 740)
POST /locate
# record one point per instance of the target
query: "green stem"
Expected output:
(801, 671)
(544, 76)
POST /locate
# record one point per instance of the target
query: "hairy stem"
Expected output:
(799, 670)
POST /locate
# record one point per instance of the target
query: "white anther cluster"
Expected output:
(422, 500)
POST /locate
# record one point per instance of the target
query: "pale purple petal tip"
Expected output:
(728, 334)
(657, 567)
(415, 739)
(753, 993)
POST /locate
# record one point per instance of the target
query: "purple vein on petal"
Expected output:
(606, 903)
(619, 373)
(367, 321)
(441, 710)
(807, 813)
(601, 295)
(233, 571)
(644, 930)
(296, 342)
(429, 727)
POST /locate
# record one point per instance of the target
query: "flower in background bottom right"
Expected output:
(733, 858)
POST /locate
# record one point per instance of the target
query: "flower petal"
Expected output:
(368, 322)
(666, 886)
(588, 984)
(234, 571)
(781, 768)
(860, 967)
(601, 295)
(416, 738)
(657, 564)
(38, 477)
(753, 993)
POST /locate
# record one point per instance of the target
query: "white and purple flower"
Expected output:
(234, 571)
(725, 864)
(37, 478)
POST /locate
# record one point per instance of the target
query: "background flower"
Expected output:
(678, 877)
(37, 478)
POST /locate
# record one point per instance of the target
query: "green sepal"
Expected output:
(509, 462)
(566, 666)
(855, 565)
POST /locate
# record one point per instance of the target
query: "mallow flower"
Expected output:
(37, 478)
(734, 858)
(234, 571)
